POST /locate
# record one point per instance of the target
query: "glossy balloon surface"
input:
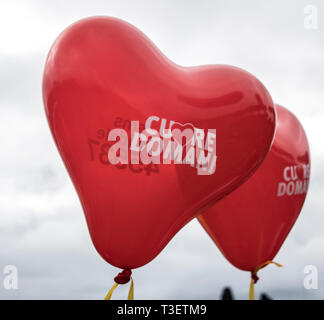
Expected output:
(250, 225)
(102, 73)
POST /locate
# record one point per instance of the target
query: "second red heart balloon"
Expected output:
(250, 225)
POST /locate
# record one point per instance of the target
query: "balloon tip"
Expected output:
(123, 277)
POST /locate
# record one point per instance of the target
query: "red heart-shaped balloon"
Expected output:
(102, 74)
(250, 225)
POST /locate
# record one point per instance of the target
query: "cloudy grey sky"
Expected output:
(42, 228)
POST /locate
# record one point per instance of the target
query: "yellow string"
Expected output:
(251, 293)
(108, 296)
(130, 292)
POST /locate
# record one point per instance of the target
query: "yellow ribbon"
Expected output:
(130, 292)
(254, 273)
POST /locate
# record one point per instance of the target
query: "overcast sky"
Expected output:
(42, 228)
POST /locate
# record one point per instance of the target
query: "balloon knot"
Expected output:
(123, 277)
(254, 277)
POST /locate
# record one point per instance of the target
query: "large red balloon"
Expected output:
(101, 74)
(250, 225)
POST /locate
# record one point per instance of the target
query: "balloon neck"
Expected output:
(254, 276)
(123, 277)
